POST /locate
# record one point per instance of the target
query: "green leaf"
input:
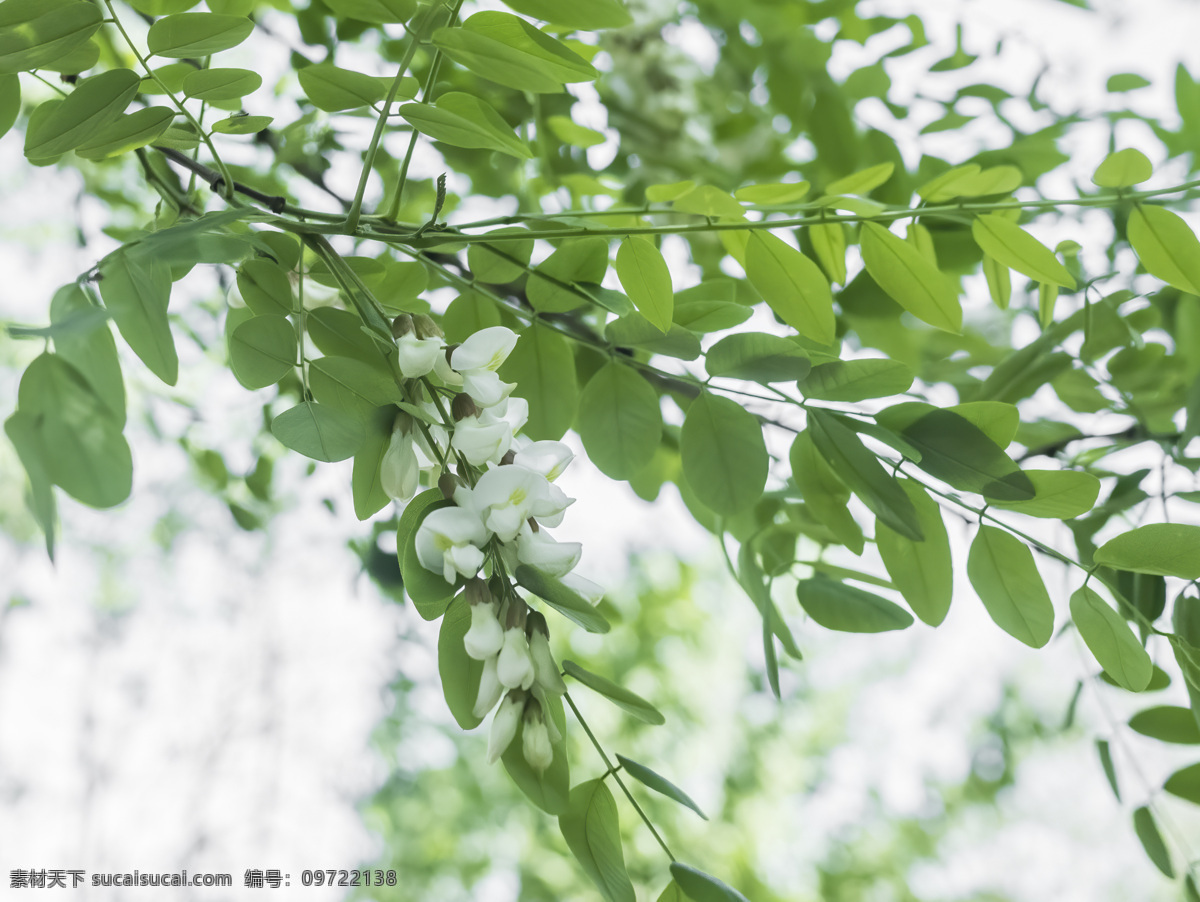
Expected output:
(1007, 243)
(36, 34)
(837, 606)
(578, 260)
(76, 437)
(1122, 169)
(995, 419)
(659, 784)
(635, 331)
(508, 50)
(352, 385)
(543, 367)
(772, 193)
(620, 420)
(428, 591)
(1166, 246)
(1163, 549)
(465, 121)
(195, 35)
(1152, 841)
(262, 351)
(1002, 570)
(910, 279)
(792, 285)
(856, 380)
(319, 432)
(340, 333)
(468, 314)
(91, 350)
(23, 430)
(630, 702)
(332, 89)
(1167, 723)
(566, 601)
(999, 281)
(829, 244)
(971, 181)
(824, 493)
(860, 470)
(593, 834)
(723, 454)
(1126, 81)
(1106, 763)
(10, 101)
(97, 102)
(957, 451)
(223, 84)
(646, 279)
(1110, 640)
(136, 293)
(700, 887)
(549, 790)
(366, 487)
(460, 672)
(586, 15)
(922, 571)
(1185, 784)
(1058, 494)
(241, 125)
(710, 316)
(377, 12)
(265, 288)
(502, 262)
(757, 356)
(129, 132)
(570, 132)
(863, 182)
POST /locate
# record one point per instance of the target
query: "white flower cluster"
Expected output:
(506, 509)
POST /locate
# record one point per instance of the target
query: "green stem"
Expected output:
(616, 776)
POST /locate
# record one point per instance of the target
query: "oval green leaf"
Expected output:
(910, 279)
(136, 293)
(319, 432)
(837, 606)
(1162, 549)
(757, 356)
(825, 495)
(1152, 841)
(620, 420)
(1009, 244)
(566, 601)
(465, 121)
(1110, 640)
(129, 132)
(262, 351)
(37, 34)
(1058, 494)
(792, 285)
(377, 12)
(856, 380)
(1166, 245)
(543, 367)
(1185, 784)
(196, 35)
(221, 84)
(659, 784)
(1167, 723)
(1123, 169)
(97, 102)
(922, 571)
(1002, 570)
(593, 834)
(701, 887)
(644, 276)
(460, 672)
(723, 454)
(586, 15)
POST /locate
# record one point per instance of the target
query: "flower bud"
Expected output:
(535, 741)
(485, 637)
(545, 670)
(490, 689)
(402, 325)
(448, 483)
(462, 406)
(515, 666)
(426, 327)
(504, 724)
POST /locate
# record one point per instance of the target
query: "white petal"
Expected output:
(545, 670)
(539, 549)
(481, 440)
(490, 689)
(444, 372)
(535, 744)
(545, 458)
(485, 387)
(417, 356)
(592, 592)
(515, 666)
(485, 349)
(504, 727)
(486, 636)
(399, 471)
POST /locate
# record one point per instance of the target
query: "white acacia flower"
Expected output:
(535, 741)
(541, 551)
(441, 366)
(551, 507)
(504, 725)
(539, 693)
(546, 458)
(478, 358)
(485, 636)
(482, 439)
(448, 541)
(418, 355)
(490, 689)
(545, 669)
(514, 411)
(505, 497)
(515, 666)
(399, 470)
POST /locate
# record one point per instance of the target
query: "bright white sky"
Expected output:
(222, 721)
